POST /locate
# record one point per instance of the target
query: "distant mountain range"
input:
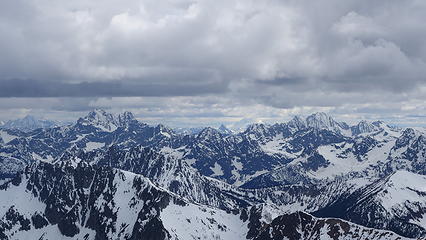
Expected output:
(113, 177)
(28, 123)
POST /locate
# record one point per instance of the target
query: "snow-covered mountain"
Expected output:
(293, 169)
(365, 127)
(323, 121)
(396, 203)
(83, 202)
(28, 123)
(166, 170)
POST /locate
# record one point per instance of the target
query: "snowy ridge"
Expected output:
(165, 170)
(85, 202)
(397, 203)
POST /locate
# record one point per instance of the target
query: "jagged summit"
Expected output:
(322, 120)
(297, 122)
(224, 130)
(365, 127)
(318, 121)
(126, 117)
(106, 121)
(209, 133)
(99, 118)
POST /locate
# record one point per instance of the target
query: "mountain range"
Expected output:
(113, 177)
(28, 123)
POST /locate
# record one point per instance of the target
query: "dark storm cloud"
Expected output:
(37, 88)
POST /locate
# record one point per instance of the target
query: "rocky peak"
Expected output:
(209, 133)
(125, 118)
(99, 118)
(256, 127)
(409, 137)
(364, 127)
(163, 130)
(99, 114)
(321, 120)
(297, 123)
(224, 130)
(409, 133)
(405, 138)
(105, 121)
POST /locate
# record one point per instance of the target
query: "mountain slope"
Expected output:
(85, 202)
(88, 202)
(302, 226)
(397, 203)
(165, 170)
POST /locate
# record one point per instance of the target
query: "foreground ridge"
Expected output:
(87, 202)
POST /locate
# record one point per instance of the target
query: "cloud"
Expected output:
(123, 88)
(230, 55)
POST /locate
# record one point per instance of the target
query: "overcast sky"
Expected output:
(198, 62)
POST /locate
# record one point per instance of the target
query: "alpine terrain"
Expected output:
(111, 176)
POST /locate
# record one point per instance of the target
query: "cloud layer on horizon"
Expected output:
(214, 59)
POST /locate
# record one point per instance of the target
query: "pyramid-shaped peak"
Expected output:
(224, 130)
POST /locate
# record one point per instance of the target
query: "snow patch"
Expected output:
(402, 187)
(79, 137)
(48, 159)
(276, 146)
(94, 145)
(217, 170)
(238, 165)
(174, 153)
(6, 136)
(196, 222)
